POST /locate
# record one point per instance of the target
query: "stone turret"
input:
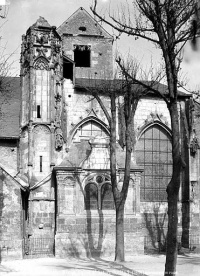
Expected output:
(41, 80)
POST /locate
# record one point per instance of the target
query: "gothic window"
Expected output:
(107, 201)
(89, 130)
(41, 64)
(82, 55)
(91, 197)
(154, 154)
(98, 194)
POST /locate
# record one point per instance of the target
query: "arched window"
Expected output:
(98, 193)
(91, 197)
(88, 130)
(107, 201)
(154, 153)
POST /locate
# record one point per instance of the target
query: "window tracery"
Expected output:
(98, 193)
(154, 153)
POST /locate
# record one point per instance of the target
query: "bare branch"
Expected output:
(146, 87)
(122, 28)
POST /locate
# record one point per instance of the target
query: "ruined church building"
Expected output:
(55, 188)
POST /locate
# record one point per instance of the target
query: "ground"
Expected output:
(151, 265)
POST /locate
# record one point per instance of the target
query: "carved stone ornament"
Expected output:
(55, 55)
(41, 64)
(41, 129)
(26, 68)
(41, 51)
(57, 121)
(58, 139)
(27, 51)
(194, 145)
(42, 38)
(82, 47)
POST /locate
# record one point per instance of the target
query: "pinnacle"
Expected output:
(41, 22)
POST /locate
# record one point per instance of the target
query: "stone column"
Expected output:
(137, 191)
(31, 92)
(52, 149)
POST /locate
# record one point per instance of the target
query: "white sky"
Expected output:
(23, 13)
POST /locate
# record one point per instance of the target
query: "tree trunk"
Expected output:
(172, 242)
(173, 194)
(119, 248)
(119, 245)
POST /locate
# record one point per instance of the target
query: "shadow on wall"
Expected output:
(94, 249)
(88, 235)
(91, 241)
(155, 224)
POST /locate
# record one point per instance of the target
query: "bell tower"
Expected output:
(41, 100)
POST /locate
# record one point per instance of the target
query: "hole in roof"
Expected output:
(82, 28)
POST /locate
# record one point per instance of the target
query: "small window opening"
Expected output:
(82, 55)
(82, 28)
(38, 111)
(67, 70)
(40, 163)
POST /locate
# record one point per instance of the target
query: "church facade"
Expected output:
(55, 188)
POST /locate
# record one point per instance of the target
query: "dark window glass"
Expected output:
(38, 111)
(82, 56)
(40, 163)
(154, 153)
(67, 70)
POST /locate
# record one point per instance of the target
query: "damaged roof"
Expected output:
(117, 84)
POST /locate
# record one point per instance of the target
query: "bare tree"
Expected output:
(7, 60)
(129, 92)
(167, 24)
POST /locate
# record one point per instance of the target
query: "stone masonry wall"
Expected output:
(24, 151)
(93, 235)
(11, 243)
(41, 151)
(80, 106)
(101, 56)
(42, 211)
(81, 232)
(25, 100)
(149, 106)
(9, 154)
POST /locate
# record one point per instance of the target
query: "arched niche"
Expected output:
(41, 149)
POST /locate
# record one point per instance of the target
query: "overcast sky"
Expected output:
(23, 13)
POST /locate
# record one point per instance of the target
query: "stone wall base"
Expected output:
(11, 250)
(82, 245)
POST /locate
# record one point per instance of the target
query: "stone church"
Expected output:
(55, 189)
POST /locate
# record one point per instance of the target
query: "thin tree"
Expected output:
(130, 93)
(167, 24)
(131, 99)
